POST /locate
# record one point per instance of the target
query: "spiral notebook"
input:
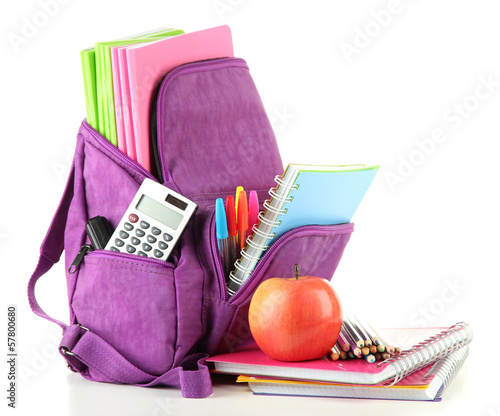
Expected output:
(252, 361)
(427, 384)
(305, 195)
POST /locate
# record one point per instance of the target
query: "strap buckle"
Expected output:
(83, 327)
(65, 350)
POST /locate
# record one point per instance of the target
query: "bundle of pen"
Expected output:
(233, 223)
(358, 339)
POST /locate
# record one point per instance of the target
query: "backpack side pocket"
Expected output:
(317, 249)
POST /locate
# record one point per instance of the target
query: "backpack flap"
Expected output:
(213, 133)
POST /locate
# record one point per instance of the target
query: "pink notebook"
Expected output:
(251, 360)
(149, 63)
(119, 105)
(124, 127)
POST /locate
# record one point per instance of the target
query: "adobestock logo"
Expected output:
(453, 118)
(222, 7)
(31, 26)
(428, 312)
(3, 237)
(363, 36)
(40, 359)
(280, 119)
(165, 407)
(494, 412)
(62, 169)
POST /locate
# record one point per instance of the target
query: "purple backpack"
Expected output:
(135, 320)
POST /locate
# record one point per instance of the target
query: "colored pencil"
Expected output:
(361, 331)
(355, 336)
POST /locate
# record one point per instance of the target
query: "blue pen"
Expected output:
(222, 235)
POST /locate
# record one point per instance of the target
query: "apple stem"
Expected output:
(296, 270)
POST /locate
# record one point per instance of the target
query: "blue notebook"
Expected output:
(320, 195)
(305, 195)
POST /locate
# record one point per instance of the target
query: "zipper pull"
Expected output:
(79, 258)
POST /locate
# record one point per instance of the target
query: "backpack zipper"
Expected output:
(86, 248)
(319, 229)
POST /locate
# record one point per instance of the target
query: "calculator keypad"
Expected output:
(143, 240)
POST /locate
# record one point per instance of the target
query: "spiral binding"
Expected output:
(279, 180)
(264, 220)
(429, 351)
(447, 368)
(239, 269)
(275, 210)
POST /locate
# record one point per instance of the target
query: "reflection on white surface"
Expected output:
(91, 398)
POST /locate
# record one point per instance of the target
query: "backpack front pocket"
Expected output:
(130, 302)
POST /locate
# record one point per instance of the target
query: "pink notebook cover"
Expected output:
(253, 358)
(252, 355)
(149, 63)
(119, 108)
(128, 128)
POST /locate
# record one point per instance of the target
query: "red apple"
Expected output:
(295, 319)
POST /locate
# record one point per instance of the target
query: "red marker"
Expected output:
(242, 219)
(231, 228)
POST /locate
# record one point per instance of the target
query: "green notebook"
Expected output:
(98, 79)
(89, 83)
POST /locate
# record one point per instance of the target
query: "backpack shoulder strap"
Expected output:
(52, 248)
(91, 355)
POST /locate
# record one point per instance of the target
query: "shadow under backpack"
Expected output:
(140, 321)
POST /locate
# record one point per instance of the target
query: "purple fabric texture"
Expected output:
(151, 324)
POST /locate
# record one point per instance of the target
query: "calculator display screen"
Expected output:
(159, 212)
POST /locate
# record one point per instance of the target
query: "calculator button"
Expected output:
(140, 233)
(146, 247)
(145, 225)
(151, 239)
(133, 218)
(119, 242)
(135, 241)
(167, 237)
(141, 253)
(123, 234)
(128, 226)
(162, 245)
(158, 253)
(113, 248)
(130, 249)
(155, 231)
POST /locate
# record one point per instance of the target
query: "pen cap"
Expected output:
(253, 210)
(231, 216)
(220, 220)
(238, 190)
(242, 212)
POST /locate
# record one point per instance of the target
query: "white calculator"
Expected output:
(153, 223)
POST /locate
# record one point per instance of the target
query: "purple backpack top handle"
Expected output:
(136, 320)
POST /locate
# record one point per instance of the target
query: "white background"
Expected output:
(343, 82)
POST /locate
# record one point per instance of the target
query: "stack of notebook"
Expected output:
(421, 372)
(121, 78)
